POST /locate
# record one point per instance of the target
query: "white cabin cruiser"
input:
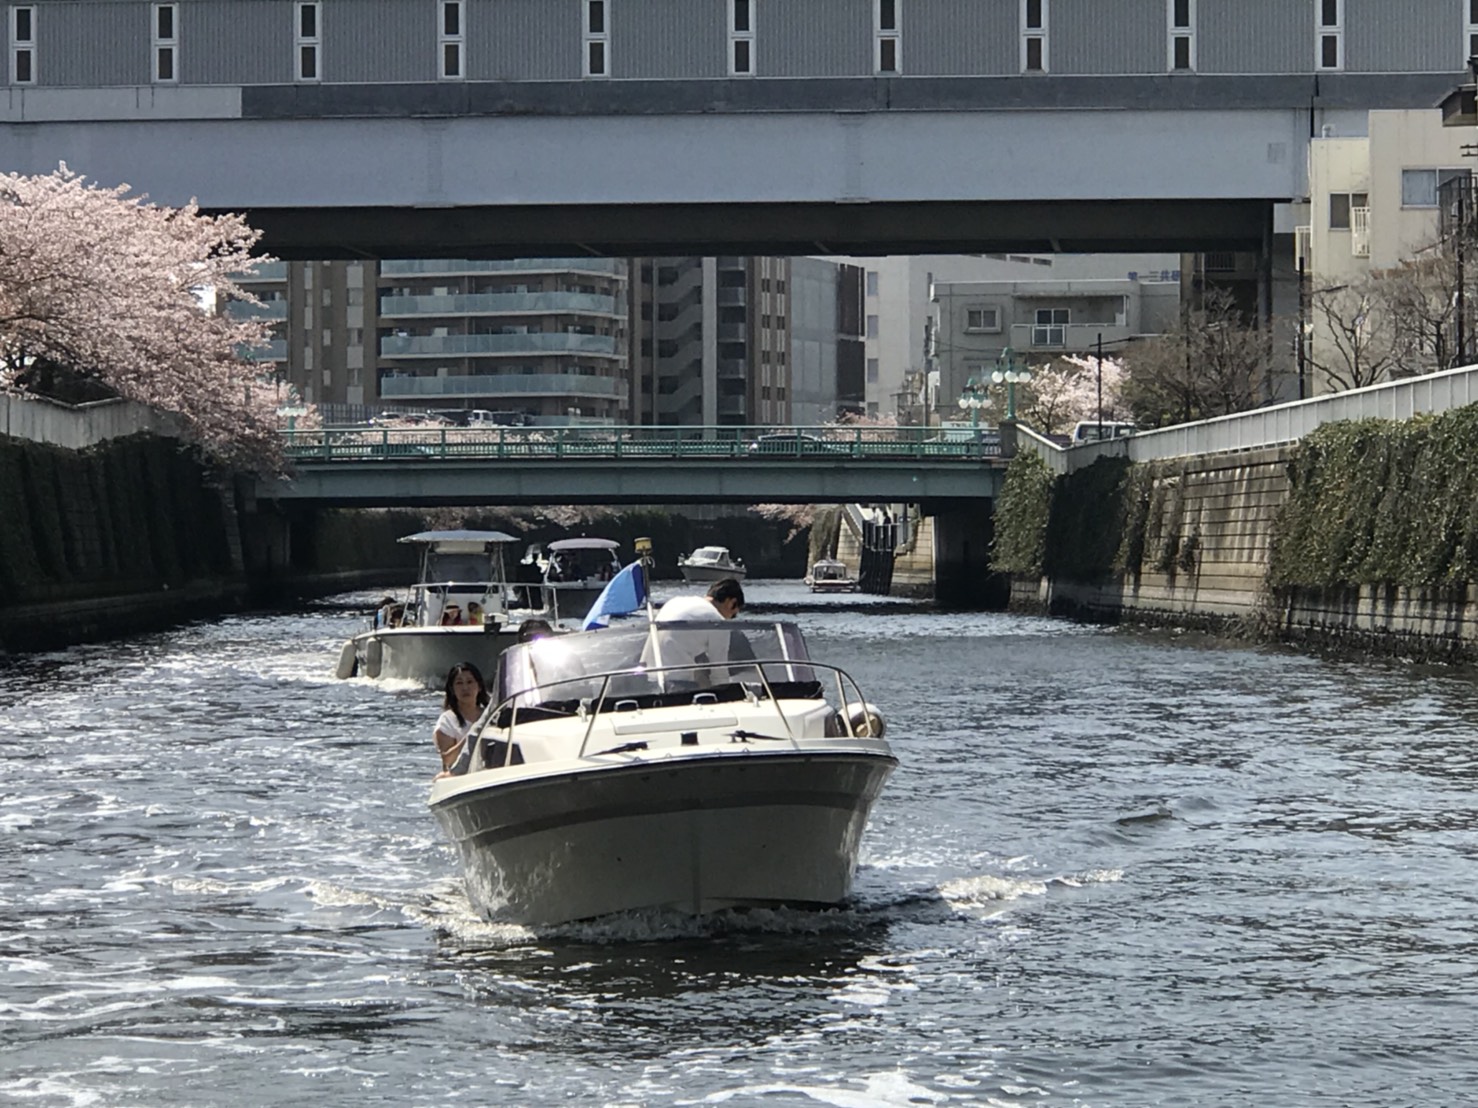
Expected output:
(461, 609)
(681, 766)
(830, 575)
(711, 563)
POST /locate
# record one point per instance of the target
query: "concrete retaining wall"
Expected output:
(1228, 507)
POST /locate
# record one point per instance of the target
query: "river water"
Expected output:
(1113, 868)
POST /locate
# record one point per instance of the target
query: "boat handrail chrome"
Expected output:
(616, 695)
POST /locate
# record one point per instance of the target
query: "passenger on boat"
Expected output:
(383, 611)
(474, 613)
(451, 615)
(724, 600)
(466, 697)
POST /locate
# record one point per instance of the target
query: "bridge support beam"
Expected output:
(963, 532)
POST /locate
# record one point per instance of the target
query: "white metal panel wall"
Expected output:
(674, 38)
(820, 38)
(92, 44)
(1420, 36)
(236, 42)
(380, 40)
(528, 40)
(1255, 36)
(953, 38)
(1107, 36)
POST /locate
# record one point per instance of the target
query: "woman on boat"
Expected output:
(466, 697)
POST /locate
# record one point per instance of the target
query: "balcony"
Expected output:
(543, 342)
(733, 297)
(500, 303)
(503, 386)
(273, 310)
(447, 267)
(266, 271)
(1078, 338)
(733, 332)
(1360, 232)
(273, 350)
(734, 369)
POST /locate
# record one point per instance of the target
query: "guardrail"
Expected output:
(1275, 425)
(809, 444)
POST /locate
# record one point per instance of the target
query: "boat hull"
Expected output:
(694, 833)
(708, 574)
(425, 654)
(833, 586)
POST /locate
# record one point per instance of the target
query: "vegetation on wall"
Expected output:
(1085, 523)
(1021, 513)
(128, 514)
(1382, 502)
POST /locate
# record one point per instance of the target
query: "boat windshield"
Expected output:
(829, 569)
(709, 554)
(609, 669)
(442, 566)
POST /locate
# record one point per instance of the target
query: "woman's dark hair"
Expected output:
(451, 680)
(531, 629)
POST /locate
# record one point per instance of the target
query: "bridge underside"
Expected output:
(480, 483)
(861, 228)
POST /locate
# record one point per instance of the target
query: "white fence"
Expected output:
(1271, 426)
(77, 427)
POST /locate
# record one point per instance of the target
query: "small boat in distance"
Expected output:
(830, 575)
(575, 573)
(461, 609)
(711, 563)
(689, 767)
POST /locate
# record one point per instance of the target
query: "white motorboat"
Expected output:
(711, 563)
(576, 571)
(830, 575)
(461, 609)
(679, 766)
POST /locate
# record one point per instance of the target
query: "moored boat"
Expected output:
(711, 563)
(679, 766)
(461, 609)
(830, 575)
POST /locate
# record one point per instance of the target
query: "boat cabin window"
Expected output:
(659, 664)
(456, 567)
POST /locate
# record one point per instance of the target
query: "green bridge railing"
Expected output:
(810, 444)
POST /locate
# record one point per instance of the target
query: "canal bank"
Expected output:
(1357, 539)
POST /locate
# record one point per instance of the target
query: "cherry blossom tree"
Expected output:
(1064, 392)
(103, 293)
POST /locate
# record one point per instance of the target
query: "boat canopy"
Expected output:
(621, 667)
(459, 542)
(584, 544)
(710, 554)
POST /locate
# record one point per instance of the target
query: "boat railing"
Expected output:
(612, 697)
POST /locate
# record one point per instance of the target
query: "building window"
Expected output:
(1341, 204)
(597, 39)
(1034, 36)
(450, 39)
(1331, 34)
(1051, 327)
(872, 371)
(887, 36)
(307, 41)
(982, 319)
(872, 327)
(23, 46)
(872, 282)
(1421, 188)
(741, 38)
(1181, 17)
(165, 44)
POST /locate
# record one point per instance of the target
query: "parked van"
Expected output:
(1091, 430)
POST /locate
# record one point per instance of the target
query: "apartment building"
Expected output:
(975, 322)
(1375, 200)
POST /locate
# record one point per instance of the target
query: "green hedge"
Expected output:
(1021, 513)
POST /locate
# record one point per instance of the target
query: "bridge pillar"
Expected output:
(963, 532)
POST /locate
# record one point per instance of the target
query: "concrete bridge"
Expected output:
(363, 467)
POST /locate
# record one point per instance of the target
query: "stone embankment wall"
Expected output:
(1190, 546)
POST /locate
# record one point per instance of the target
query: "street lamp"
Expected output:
(1007, 373)
(973, 397)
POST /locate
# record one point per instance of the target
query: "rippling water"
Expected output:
(1113, 868)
